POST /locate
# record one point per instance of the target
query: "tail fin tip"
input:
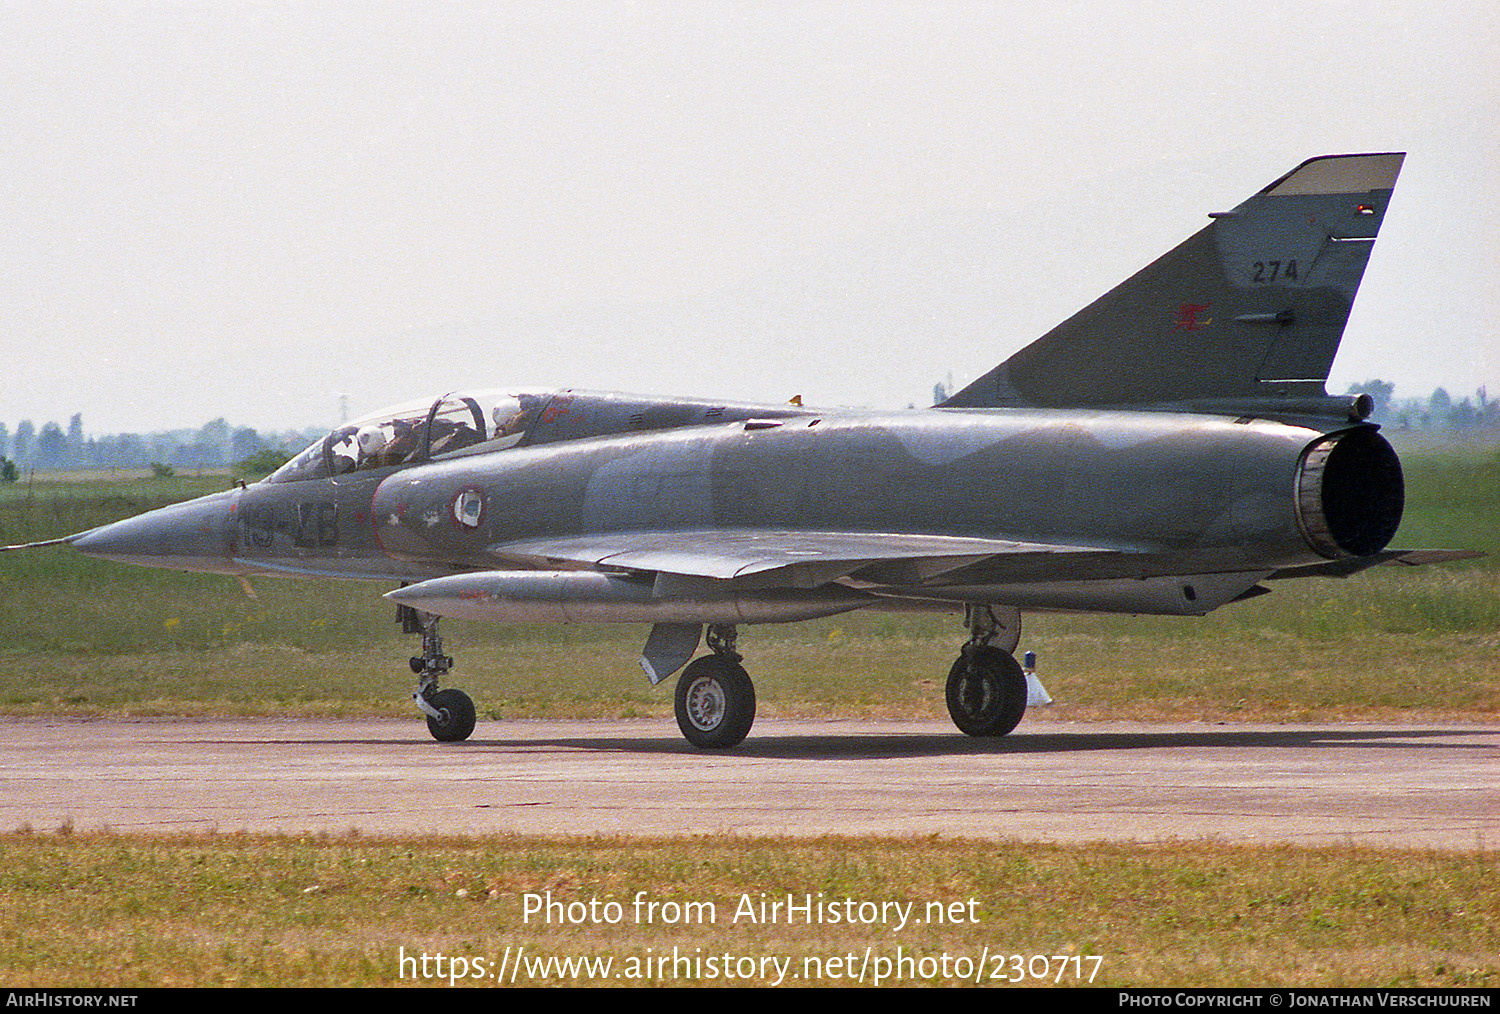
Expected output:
(1341, 174)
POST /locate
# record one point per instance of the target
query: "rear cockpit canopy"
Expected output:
(455, 425)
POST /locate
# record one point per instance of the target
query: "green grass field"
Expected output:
(88, 636)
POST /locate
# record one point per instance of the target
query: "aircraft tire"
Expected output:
(457, 722)
(715, 702)
(988, 696)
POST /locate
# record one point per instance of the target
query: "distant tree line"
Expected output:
(216, 444)
(1437, 411)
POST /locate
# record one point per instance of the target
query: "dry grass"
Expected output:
(103, 910)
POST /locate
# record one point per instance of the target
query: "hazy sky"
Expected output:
(249, 209)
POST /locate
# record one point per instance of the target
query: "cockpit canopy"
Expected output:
(455, 425)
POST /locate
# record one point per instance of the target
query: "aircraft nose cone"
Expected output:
(184, 536)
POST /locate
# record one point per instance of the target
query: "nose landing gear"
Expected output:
(450, 713)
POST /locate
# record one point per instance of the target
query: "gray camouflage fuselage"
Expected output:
(1149, 495)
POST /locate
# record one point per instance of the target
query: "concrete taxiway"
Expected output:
(1400, 786)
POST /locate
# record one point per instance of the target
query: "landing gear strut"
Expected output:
(715, 697)
(450, 713)
(986, 688)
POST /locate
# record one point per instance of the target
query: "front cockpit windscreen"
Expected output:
(453, 426)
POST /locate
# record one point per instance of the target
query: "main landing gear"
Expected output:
(715, 698)
(986, 688)
(450, 713)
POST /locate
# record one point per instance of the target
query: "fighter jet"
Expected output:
(1169, 449)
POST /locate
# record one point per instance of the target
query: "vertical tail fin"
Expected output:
(1250, 308)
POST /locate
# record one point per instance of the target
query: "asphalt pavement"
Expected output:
(1379, 785)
